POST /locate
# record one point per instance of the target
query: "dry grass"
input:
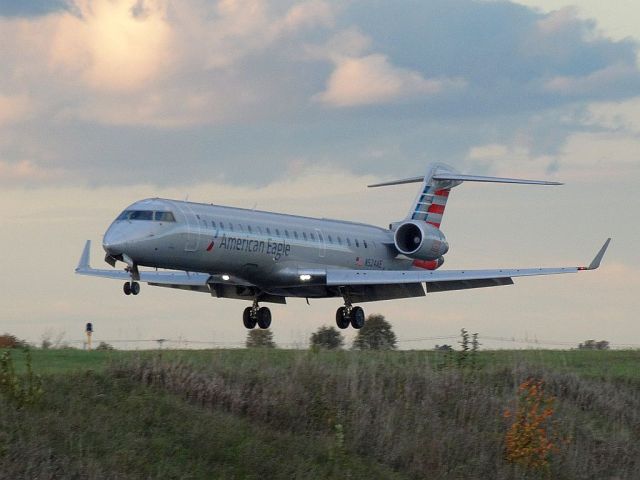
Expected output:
(408, 412)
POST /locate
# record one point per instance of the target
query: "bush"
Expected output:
(260, 338)
(104, 346)
(326, 337)
(593, 345)
(11, 341)
(376, 334)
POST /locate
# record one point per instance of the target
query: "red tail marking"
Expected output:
(434, 208)
(442, 193)
(210, 247)
(437, 225)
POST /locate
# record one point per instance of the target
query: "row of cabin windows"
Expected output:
(221, 226)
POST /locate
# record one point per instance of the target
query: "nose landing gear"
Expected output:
(131, 288)
(256, 315)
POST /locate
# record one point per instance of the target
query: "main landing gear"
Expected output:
(131, 288)
(256, 315)
(350, 315)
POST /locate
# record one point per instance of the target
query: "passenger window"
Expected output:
(249, 228)
(259, 229)
(357, 243)
(230, 227)
(277, 232)
(312, 236)
(304, 235)
(295, 234)
(340, 240)
(268, 231)
(286, 232)
(364, 242)
(348, 241)
(330, 239)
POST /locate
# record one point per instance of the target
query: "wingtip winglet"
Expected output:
(83, 264)
(595, 263)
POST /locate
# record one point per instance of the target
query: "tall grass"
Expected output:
(409, 411)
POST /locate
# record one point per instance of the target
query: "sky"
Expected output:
(296, 107)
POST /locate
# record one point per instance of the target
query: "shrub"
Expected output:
(326, 337)
(528, 441)
(11, 341)
(260, 338)
(376, 334)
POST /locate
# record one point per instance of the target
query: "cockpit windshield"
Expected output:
(148, 215)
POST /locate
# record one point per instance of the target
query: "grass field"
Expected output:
(303, 414)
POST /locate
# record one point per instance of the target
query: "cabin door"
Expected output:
(321, 245)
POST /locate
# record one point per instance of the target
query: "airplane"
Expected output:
(266, 257)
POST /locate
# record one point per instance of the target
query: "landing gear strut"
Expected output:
(131, 288)
(256, 315)
(350, 315)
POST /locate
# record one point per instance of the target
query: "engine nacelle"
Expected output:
(420, 240)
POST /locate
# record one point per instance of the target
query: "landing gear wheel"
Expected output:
(264, 317)
(342, 320)
(357, 318)
(135, 288)
(126, 288)
(248, 319)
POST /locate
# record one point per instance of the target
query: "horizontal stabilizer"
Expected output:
(464, 178)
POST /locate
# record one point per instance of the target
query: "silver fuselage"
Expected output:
(269, 250)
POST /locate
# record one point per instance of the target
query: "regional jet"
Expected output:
(266, 257)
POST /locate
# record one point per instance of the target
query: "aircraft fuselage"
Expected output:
(264, 248)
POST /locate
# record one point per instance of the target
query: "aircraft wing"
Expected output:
(169, 278)
(441, 280)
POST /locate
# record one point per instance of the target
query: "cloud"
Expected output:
(241, 87)
(25, 172)
(623, 115)
(373, 80)
(14, 109)
(619, 78)
(112, 44)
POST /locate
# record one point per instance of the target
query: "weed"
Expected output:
(528, 441)
(16, 390)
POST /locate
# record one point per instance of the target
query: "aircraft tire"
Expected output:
(341, 318)
(264, 318)
(126, 288)
(247, 319)
(135, 288)
(357, 318)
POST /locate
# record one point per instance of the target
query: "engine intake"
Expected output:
(420, 240)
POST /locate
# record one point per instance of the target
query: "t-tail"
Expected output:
(430, 203)
(432, 198)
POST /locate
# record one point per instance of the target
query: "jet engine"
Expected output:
(420, 240)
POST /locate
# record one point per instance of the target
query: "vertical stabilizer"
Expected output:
(432, 198)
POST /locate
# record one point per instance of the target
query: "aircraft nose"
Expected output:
(114, 241)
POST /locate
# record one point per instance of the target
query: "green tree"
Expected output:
(259, 338)
(328, 338)
(376, 334)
